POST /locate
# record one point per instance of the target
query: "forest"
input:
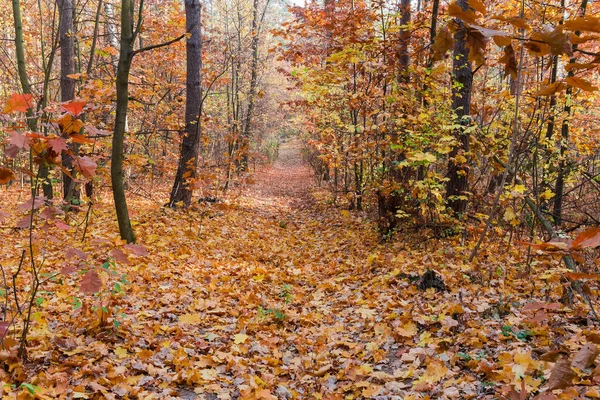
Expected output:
(299, 199)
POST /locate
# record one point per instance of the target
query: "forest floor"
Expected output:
(274, 293)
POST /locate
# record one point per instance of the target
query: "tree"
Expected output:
(188, 159)
(67, 87)
(458, 171)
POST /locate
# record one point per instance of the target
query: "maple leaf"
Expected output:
(18, 102)
(85, 166)
(58, 144)
(19, 140)
(6, 175)
(240, 338)
(191, 319)
(74, 107)
(90, 283)
(68, 125)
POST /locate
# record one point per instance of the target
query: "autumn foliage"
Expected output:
(381, 199)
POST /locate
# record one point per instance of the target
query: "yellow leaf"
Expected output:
(121, 352)
(209, 374)
(547, 195)
(407, 330)
(189, 319)
(240, 338)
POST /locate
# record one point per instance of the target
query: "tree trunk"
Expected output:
(246, 132)
(559, 189)
(403, 55)
(116, 168)
(26, 87)
(458, 172)
(67, 87)
(188, 159)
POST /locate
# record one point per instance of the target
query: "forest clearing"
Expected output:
(269, 199)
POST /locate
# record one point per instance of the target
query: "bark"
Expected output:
(67, 86)
(246, 132)
(116, 168)
(26, 88)
(559, 189)
(458, 172)
(188, 159)
(403, 55)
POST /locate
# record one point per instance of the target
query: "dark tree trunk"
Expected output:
(67, 87)
(116, 168)
(458, 172)
(188, 159)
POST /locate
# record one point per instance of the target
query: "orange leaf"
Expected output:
(74, 107)
(585, 24)
(588, 238)
(468, 16)
(551, 89)
(18, 102)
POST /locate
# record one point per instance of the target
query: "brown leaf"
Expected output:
(6, 175)
(90, 283)
(510, 62)
(581, 84)
(443, 42)
(585, 356)
(477, 43)
(561, 376)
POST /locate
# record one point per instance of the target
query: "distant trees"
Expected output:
(389, 125)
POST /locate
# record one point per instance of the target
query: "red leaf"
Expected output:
(74, 107)
(11, 151)
(72, 252)
(39, 201)
(137, 249)
(588, 238)
(58, 144)
(85, 166)
(3, 327)
(18, 102)
(119, 256)
(90, 283)
(18, 140)
(24, 223)
(62, 226)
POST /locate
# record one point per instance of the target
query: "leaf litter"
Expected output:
(273, 293)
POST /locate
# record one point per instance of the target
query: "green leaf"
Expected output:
(32, 389)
